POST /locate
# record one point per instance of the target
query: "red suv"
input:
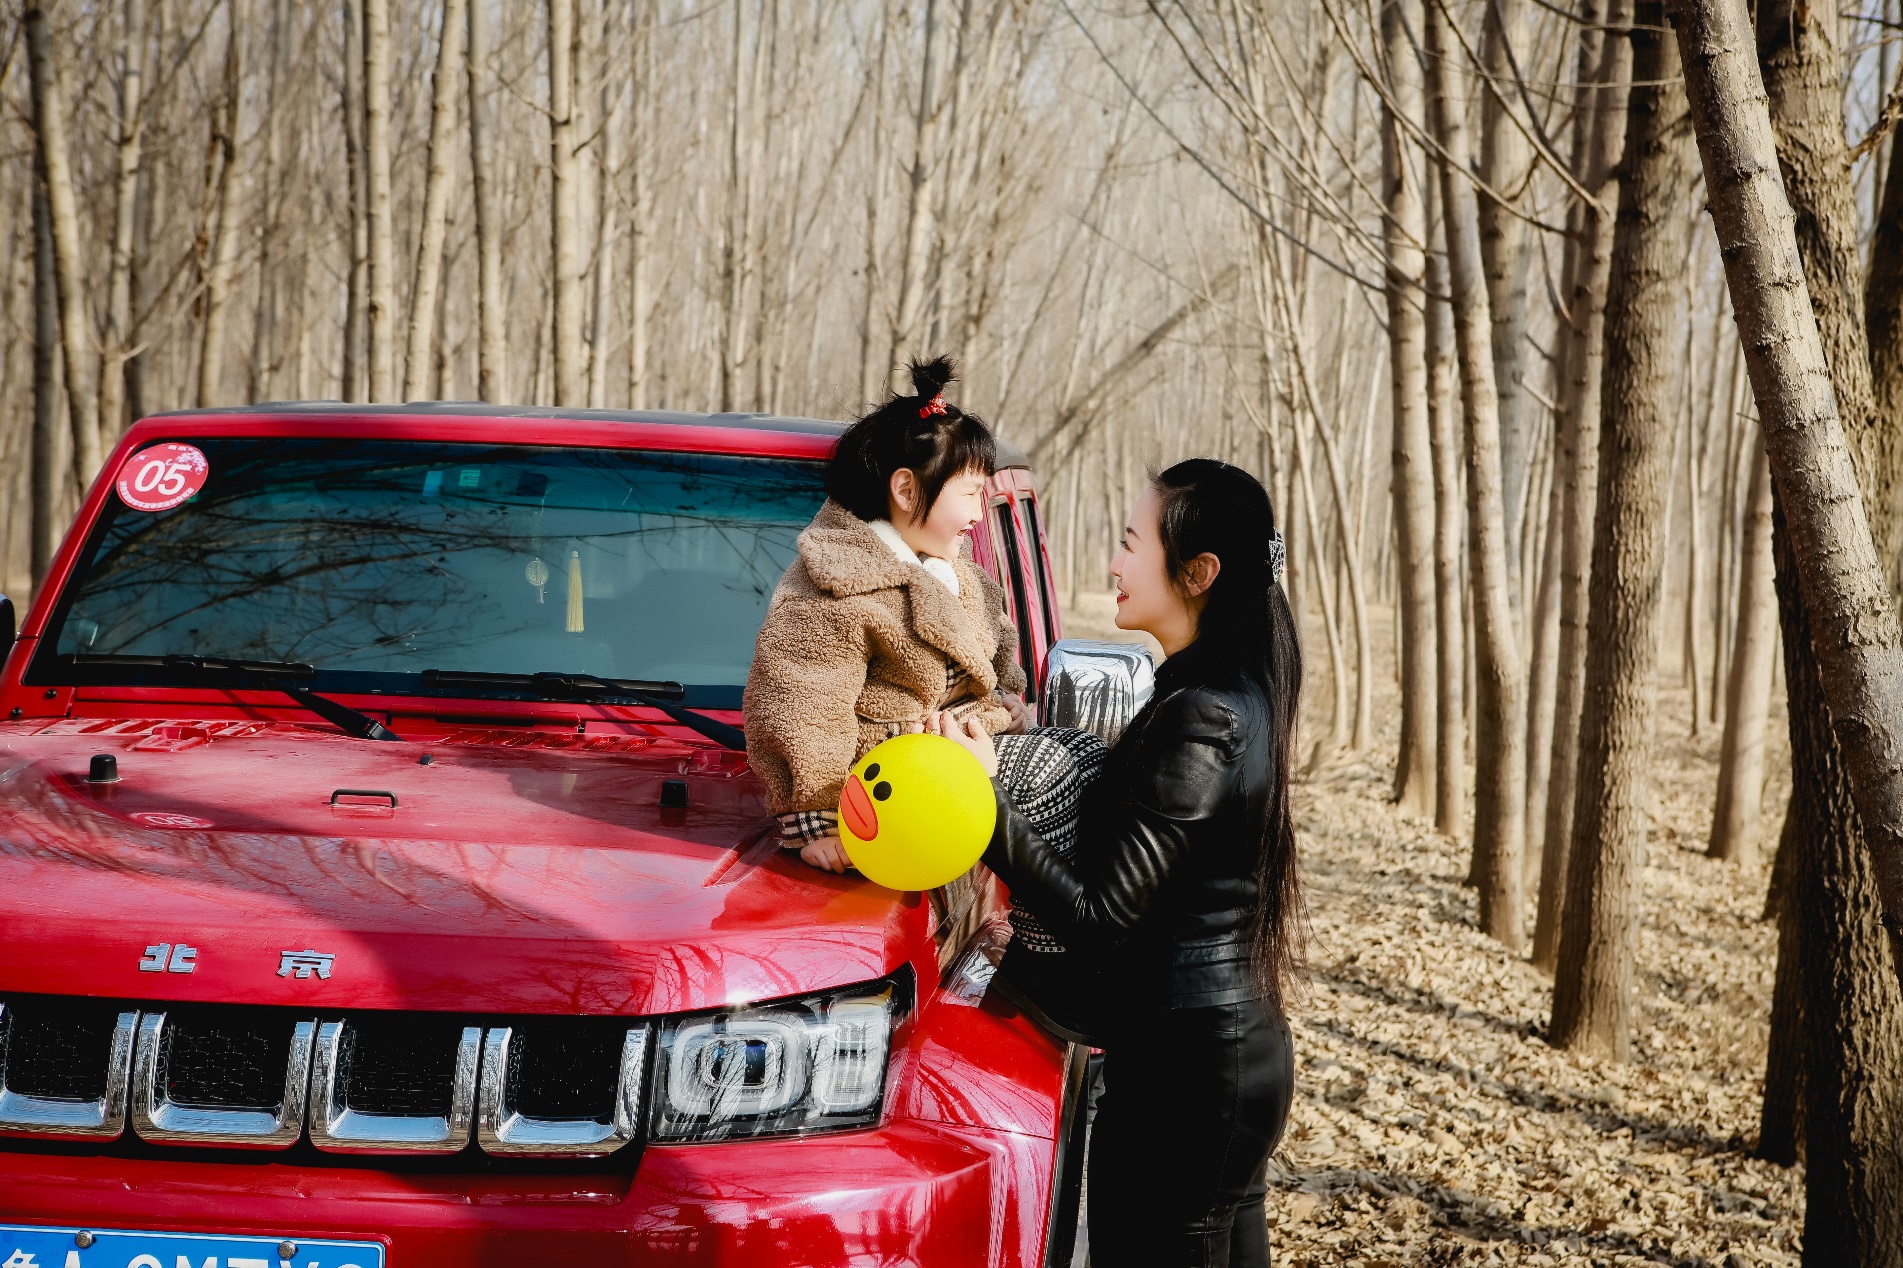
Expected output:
(383, 881)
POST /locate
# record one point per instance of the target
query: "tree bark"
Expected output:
(1504, 156)
(492, 357)
(1596, 977)
(1781, 1118)
(1542, 631)
(1605, 74)
(1500, 686)
(565, 213)
(1413, 479)
(381, 299)
(607, 219)
(1845, 587)
(1450, 671)
(52, 460)
(355, 385)
(223, 263)
(435, 226)
(1853, 1067)
(919, 226)
(117, 343)
(1736, 814)
(75, 326)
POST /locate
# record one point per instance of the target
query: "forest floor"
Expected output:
(1432, 1122)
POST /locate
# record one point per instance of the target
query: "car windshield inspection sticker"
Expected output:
(160, 477)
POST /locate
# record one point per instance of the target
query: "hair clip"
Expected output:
(1278, 557)
(934, 406)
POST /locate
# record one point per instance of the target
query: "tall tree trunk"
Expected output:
(75, 326)
(223, 265)
(1605, 75)
(919, 227)
(429, 244)
(565, 214)
(381, 307)
(1853, 1068)
(112, 361)
(1413, 478)
(1596, 982)
(355, 384)
(492, 356)
(1845, 587)
(52, 459)
(1735, 816)
(1450, 670)
(607, 221)
(1504, 155)
(1781, 1118)
(1542, 632)
(1500, 677)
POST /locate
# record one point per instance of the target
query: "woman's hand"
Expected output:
(968, 734)
(1020, 720)
(828, 853)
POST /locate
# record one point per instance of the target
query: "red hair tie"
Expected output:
(934, 406)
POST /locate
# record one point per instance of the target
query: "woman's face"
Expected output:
(1147, 599)
(960, 505)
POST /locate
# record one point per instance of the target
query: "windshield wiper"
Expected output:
(267, 673)
(587, 688)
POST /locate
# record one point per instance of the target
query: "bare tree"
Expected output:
(492, 356)
(357, 267)
(1500, 686)
(1504, 158)
(1594, 985)
(223, 232)
(55, 158)
(1734, 819)
(1450, 622)
(565, 209)
(1599, 129)
(435, 228)
(118, 338)
(919, 227)
(381, 298)
(1412, 478)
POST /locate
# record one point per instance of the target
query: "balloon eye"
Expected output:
(872, 771)
(882, 790)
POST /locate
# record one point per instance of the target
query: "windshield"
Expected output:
(374, 561)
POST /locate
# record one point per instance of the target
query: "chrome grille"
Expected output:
(235, 1077)
(63, 1068)
(384, 1086)
(179, 1055)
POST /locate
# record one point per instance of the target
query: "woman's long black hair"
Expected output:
(1210, 506)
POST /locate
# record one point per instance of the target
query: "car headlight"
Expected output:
(787, 1068)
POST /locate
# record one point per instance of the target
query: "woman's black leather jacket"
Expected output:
(1164, 886)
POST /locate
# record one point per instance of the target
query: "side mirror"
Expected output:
(1096, 686)
(9, 620)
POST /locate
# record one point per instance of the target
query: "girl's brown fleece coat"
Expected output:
(856, 648)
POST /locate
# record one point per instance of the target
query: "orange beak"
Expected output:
(856, 809)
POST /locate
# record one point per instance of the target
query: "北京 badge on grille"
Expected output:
(305, 963)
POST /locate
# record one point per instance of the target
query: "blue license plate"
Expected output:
(22, 1246)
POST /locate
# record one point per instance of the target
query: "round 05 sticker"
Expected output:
(160, 477)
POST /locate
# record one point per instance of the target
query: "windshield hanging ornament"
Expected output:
(537, 573)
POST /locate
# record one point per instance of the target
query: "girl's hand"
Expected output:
(1020, 720)
(968, 734)
(827, 853)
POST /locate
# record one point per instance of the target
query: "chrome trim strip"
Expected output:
(336, 1128)
(156, 1117)
(502, 1130)
(48, 1118)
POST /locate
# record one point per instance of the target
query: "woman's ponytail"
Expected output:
(1210, 506)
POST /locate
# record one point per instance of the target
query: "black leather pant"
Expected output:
(1194, 1102)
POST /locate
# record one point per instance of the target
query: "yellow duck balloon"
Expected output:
(916, 812)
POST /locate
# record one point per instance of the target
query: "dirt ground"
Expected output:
(1432, 1122)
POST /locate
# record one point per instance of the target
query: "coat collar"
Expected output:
(844, 557)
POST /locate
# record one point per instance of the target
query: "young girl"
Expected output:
(883, 618)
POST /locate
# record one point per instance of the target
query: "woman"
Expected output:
(1186, 888)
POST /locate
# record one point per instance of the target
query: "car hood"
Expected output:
(515, 872)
